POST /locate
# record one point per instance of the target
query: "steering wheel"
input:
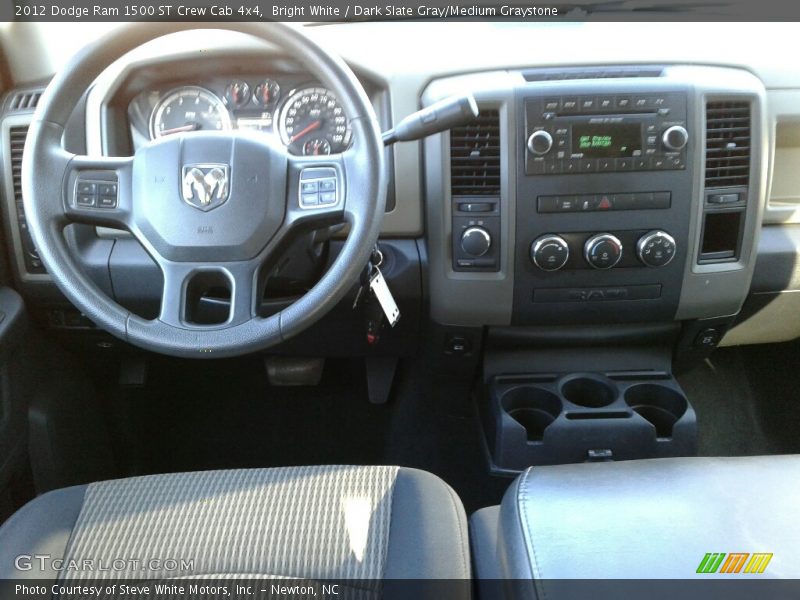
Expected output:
(204, 205)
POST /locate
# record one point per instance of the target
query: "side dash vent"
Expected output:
(25, 101)
(728, 144)
(475, 156)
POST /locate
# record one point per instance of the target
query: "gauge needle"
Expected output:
(310, 127)
(188, 127)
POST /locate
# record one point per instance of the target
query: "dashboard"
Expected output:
(588, 199)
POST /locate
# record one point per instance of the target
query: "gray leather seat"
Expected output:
(317, 523)
(645, 519)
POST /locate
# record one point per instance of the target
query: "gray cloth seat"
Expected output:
(358, 523)
(643, 519)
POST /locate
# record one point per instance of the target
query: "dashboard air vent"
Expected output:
(17, 142)
(592, 73)
(727, 144)
(25, 100)
(475, 156)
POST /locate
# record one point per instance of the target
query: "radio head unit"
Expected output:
(591, 134)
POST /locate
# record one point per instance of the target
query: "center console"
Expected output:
(598, 223)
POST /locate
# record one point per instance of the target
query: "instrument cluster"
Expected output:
(305, 117)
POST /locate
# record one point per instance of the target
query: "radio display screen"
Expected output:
(606, 140)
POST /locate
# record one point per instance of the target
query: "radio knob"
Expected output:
(656, 248)
(476, 241)
(675, 138)
(602, 251)
(549, 252)
(540, 142)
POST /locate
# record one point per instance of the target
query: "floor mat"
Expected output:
(224, 414)
(746, 401)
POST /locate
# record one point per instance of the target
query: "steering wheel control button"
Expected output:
(656, 248)
(476, 241)
(87, 187)
(550, 252)
(96, 193)
(603, 251)
(318, 187)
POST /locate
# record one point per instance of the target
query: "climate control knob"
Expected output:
(476, 241)
(675, 138)
(602, 251)
(656, 248)
(549, 252)
(540, 142)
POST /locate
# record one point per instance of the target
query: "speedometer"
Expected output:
(188, 108)
(313, 122)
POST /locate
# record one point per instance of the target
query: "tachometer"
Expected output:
(314, 114)
(189, 108)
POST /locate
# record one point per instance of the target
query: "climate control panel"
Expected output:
(604, 250)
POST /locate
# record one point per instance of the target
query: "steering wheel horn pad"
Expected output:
(245, 204)
(221, 203)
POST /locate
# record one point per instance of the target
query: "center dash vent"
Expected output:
(475, 156)
(25, 100)
(727, 144)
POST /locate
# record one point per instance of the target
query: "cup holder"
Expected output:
(660, 405)
(591, 392)
(533, 408)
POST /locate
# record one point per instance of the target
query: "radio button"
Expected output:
(623, 102)
(552, 167)
(569, 105)
(605, 164)
(552, 104)
(605, 103)
(677, 162)
(588, 165)
(660, 163)
(540, 142)
(675, 138)
(624, 164)
(639, 102)
(571, 165)
(641, 164)
(588, 104)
